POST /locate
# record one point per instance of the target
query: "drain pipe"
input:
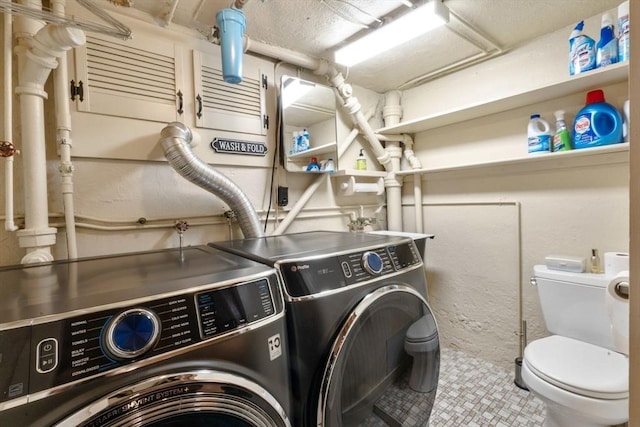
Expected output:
(391, 114)
(7, 149)
(36, 58)
(63, 137)
(175, 139)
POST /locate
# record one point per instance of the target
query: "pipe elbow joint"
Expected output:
(176, 130)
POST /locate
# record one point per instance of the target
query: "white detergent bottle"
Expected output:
(539, 135)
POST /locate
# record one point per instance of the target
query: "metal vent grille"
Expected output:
(128, 71)
(243, 98)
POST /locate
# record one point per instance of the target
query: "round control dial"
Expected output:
(132, 333)
(372, 263)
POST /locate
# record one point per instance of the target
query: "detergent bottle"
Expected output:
(597, 123)
(538, 135)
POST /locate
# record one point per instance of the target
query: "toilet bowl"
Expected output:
(580, 384)
(422, 344)
(579, 372)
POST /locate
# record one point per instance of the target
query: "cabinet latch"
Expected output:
(265, 83)
(265, 121)
(77, 90)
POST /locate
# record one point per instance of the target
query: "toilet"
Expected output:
(579, 372)
(421, 342)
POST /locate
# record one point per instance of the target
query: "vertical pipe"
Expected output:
(63, 137)
(7, 46)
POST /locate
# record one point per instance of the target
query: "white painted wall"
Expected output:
(567, 206)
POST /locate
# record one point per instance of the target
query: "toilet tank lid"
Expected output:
(590, 279)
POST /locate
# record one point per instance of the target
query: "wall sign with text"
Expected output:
(233, 146)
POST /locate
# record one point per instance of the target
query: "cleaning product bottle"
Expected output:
(625, 121)
(329, 166)
(582, 54)
(313, 165)
(597, 123)
(305, 142)
(623, 31)
(295, 145)
(607, 48)
(361, 161)
(562, 138)
(538, 135)
(594, 264)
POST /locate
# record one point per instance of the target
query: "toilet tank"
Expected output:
(573, 305)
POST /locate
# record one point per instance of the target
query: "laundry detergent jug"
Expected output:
(597, 123)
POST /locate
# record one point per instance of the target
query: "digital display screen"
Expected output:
(226, 309)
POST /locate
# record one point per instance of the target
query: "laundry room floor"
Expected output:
(471, 393)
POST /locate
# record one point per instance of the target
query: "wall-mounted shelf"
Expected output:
(573, 84)
(314, 151)
(608, 154)
(360, 173)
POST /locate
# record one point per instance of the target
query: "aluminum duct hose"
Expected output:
(175, 139)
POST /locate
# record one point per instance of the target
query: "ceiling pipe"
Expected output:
(37, 56)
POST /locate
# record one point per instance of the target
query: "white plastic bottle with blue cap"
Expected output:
(539, 135)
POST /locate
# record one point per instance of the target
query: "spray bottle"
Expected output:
(562, 138)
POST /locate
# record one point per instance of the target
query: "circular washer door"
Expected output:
(368, 355)
(194, 399)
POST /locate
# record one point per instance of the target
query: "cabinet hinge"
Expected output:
(265, 83)
(76, 90)
(265, 121)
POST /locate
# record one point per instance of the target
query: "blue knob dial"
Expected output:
(132, 333)
(372, 263)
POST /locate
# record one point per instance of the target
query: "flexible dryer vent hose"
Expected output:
(175, 139)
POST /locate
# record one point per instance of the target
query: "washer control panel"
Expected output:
(314, 276)
(50, 354)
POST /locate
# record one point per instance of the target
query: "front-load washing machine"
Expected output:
(183, 337)
(358, 322)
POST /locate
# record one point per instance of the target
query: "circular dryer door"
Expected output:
(366, 376)
(194, 399)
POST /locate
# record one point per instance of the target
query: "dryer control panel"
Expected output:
(52, 353)
(334, 271)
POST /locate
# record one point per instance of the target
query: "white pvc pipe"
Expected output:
(36, 58)
(304, 198)
(9, 224)
(63, 129)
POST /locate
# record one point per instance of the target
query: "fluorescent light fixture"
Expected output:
(409, 26)
(293, 90)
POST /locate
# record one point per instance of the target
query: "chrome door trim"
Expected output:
(146, 401)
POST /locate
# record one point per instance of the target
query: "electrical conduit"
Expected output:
(175, 139)
(36, 58)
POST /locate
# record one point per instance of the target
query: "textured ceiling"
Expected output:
(317, 27)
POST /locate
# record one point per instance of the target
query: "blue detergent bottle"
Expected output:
(597, 123)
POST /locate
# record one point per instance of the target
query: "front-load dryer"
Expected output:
(182, 337)
(358, 321)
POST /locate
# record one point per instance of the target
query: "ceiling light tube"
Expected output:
(409, 26)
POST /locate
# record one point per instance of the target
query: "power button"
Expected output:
(47, 355)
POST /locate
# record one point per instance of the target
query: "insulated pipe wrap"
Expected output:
(175, 139)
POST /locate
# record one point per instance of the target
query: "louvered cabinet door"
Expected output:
(138, 78)
(229, 107)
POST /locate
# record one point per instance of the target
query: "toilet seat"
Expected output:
(579, 367)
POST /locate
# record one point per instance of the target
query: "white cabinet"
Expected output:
(230, 107)
(141, 78)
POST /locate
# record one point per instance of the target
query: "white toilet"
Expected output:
(579, 373)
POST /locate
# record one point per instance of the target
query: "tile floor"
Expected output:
(471, 393)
